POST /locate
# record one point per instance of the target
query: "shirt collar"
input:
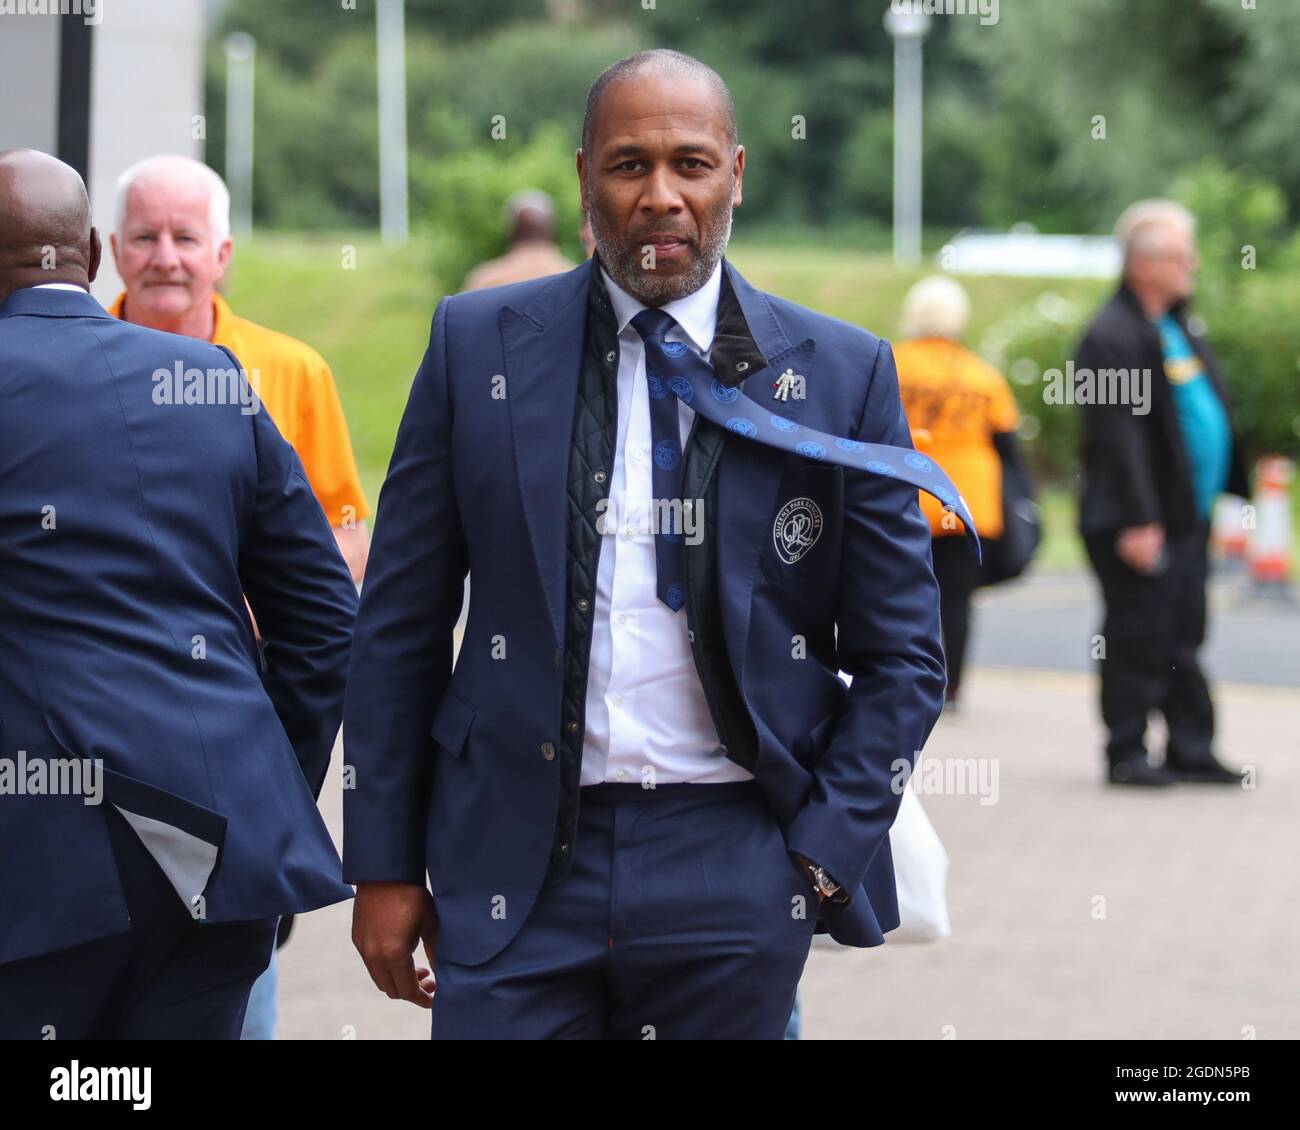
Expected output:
(60, 286)
(696, 314)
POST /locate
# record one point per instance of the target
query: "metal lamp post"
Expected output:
(390, 27)
(908, 29)
(241, 51)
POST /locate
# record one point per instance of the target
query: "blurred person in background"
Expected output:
(962, 412)
(1151, 474)
(533, 254)
(173, 249)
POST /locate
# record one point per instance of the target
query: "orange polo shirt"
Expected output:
(297, 388)
(961, 402)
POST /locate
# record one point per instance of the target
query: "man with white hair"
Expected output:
(173, 248)
(1151, 474)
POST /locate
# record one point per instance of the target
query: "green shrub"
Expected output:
(463, 194)
(1255, 336)
(1027, 342)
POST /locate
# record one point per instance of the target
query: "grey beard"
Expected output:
(647, 286)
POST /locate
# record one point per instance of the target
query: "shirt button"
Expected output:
(548, 751)
(621, 774)
(690, 635)
(637, 453)
(622, 617)
(599, 476)
(583, 604)
(609, 357)
(617, 700)
(628, 535)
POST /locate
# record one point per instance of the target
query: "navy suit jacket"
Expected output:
(451, 776)
(130, 531)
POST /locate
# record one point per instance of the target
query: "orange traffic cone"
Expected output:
(1228, 531)
(1269, 550)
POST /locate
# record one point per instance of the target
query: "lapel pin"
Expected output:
(787, 383)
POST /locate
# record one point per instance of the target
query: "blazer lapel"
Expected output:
(749, 473)
(542, 346)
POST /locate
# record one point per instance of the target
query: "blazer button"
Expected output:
(572, 727)
(583, 604)
(690, 635)
(548, 751)
(599, 476)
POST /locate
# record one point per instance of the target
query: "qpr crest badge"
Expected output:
(797, 528)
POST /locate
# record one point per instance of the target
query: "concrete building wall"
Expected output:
(146, 93)
(29, 62)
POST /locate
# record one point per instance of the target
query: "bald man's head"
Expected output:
(45, 231)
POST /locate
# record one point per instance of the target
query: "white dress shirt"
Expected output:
(60, 286)
(646, 710)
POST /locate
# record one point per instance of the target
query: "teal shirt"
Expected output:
(1207, 437)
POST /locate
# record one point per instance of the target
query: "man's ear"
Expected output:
(580, 160)
(225, 252)
(738, 173)
(96, 255)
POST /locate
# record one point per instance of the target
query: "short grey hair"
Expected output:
(937, 306)
(1141, 226)
(174, 166)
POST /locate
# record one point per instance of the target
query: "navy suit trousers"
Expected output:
(168, 977)
(683, 916)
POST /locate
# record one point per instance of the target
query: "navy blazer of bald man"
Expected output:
(132, 526)
(450, 766)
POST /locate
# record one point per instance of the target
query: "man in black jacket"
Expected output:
(1158, 448)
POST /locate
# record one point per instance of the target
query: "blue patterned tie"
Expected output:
(691, 379)
(666, 451)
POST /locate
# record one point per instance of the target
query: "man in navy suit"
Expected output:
(157, 776)
(643, 787)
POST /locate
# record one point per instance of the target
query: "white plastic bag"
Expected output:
(920, 874)
(920, 871)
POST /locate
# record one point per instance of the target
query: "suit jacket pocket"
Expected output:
(451, 723)
(803, 538)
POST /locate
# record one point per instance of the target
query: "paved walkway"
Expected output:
(1048, 620)
(1199, 889)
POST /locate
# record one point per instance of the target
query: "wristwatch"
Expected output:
(826, 886)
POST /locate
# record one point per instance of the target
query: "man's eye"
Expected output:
(630, 165)
(692, 163)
